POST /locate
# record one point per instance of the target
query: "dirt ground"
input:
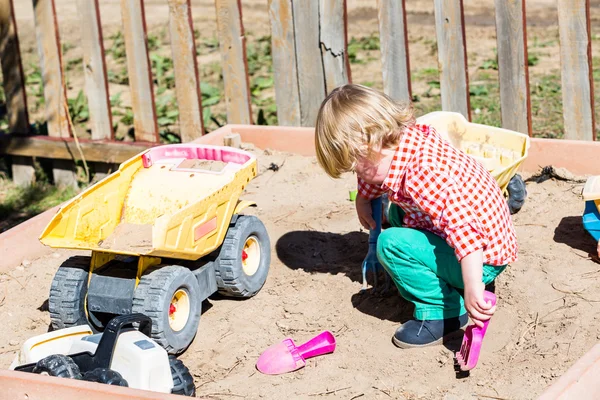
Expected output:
(547, 314)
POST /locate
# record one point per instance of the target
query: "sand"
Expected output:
(548, 313)
(132, 238)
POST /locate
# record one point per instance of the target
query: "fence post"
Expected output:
(139, 71)
(235, 65)
(511, 34)
(12, 70)
(94, 67)
(283, 49)
(333, 43)
(23, 173)
(394, 49)
(187, 84)
(311, 79)
(452, 56)
(576, 69)
(55, 91)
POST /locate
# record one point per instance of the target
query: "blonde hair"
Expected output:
(356, 122)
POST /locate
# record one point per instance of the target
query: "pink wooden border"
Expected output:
(24, 385)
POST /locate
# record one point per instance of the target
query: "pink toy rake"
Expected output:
(287, 357)
(468, 355)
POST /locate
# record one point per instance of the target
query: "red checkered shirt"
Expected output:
(445, 191)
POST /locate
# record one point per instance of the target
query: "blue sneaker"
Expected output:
(417, 333)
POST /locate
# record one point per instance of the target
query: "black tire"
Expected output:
(183, 382)
(66, 301)
(106, 376)
(517, 193)
(232, 280)
(153, 298)
(58, 365)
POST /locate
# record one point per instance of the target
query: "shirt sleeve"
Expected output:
(438, 195)
(368, 190)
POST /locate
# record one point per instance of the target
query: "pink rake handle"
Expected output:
(468, 355)
(323, 343)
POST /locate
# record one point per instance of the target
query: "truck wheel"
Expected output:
(58, 365)
(244, 259)
(517, 193)
(106, 376)
(170, 295)
(183, 383)
(66, 301)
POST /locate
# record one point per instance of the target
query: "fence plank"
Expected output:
(63, 149)
(139, 71)
(576, 67)
(284, 62)
(55, 92)
(311, 79)
(452, 56)
(96, 83)
(511, 34)
(333, 43)
(235, 66)
(394, 49)
(187, 84)
(12, 70)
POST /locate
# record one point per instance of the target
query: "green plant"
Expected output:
(127, 117)
(35, 85)
(485, 103)
(267, 115)
(258, 54)
(73, 63)
(117, 49)
(357, 45)
(154, 41)
(546, 105)
(491, 63)
(78, 108)
(533, 59)
(260, 83)
(119, 78)
(211, 95)
(426, 74)
(478, 90)
(66, 46)
(212, 44)
(162, 71)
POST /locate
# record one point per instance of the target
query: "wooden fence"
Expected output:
(309, 51)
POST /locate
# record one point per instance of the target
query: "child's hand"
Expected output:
(479, 310)
(365, 214)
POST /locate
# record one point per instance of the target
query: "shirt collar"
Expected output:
(410, 142)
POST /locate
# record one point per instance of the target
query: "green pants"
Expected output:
(425, 269)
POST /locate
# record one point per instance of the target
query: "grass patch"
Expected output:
(19, 204)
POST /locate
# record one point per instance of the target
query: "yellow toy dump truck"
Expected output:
(165, 233)
(500, 151)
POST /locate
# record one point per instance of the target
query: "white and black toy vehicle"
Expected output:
(122, 355)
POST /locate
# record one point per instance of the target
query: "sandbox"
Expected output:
(547, 321)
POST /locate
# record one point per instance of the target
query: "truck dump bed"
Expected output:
(169, 201)
(501, 151)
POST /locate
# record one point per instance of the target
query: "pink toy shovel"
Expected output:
(468, 355)
(287, 357)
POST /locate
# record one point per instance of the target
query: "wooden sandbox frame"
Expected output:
(21, 242)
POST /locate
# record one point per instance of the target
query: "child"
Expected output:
(450, 225)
